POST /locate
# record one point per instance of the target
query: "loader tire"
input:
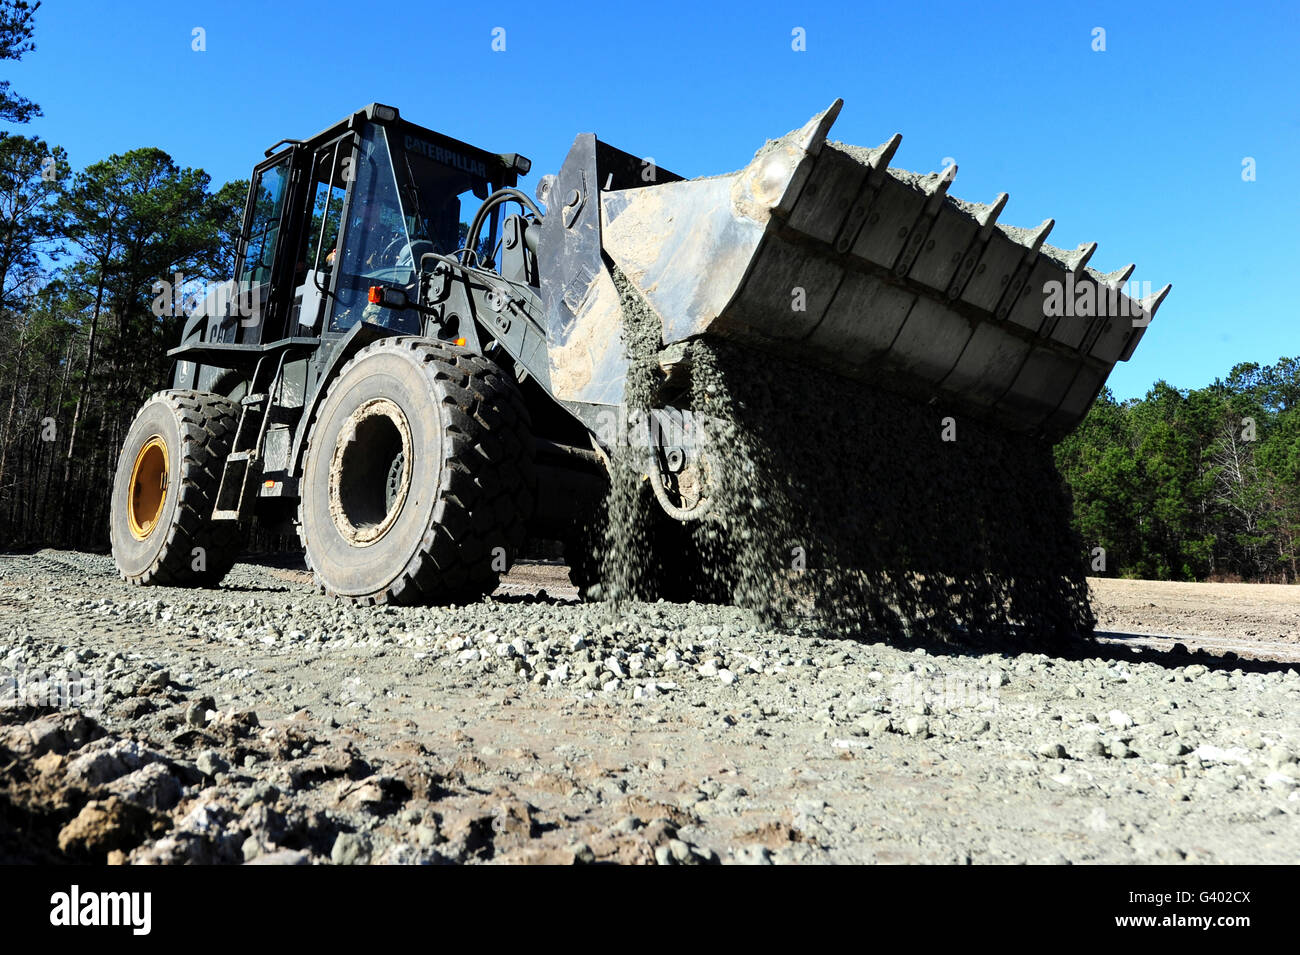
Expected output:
(168, 473)
(418, 480)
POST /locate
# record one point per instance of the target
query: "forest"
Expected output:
(1200, 484)
(80, 345)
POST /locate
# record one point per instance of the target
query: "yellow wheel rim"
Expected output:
(148, 490)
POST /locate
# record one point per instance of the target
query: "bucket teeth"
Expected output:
(907, 286)
(1152, 301)
(1039, 236)
(814, 134)
(1117, 278)
(938, 189)
(883, 155)
(1076, 260)
(988, 217)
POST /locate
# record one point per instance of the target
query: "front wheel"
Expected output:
(418, 480)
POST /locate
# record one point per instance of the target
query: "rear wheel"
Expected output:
(168, 472)
(418, 479)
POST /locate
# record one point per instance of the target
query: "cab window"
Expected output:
(264, 225)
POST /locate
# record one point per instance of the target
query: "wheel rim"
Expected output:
(370, 473)
(147, 493)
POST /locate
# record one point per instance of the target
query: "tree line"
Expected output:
(1199, 484)
(80, 345)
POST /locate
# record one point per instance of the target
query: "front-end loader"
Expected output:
(419, 366)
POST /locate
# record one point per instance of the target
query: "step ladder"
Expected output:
(243, 465)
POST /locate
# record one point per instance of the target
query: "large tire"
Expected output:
(168, 473)
(418, 480)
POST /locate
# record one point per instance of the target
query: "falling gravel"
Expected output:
(871, 514)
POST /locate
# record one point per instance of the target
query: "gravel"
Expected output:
(370, 735)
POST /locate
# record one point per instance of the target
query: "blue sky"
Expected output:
(1138, 148)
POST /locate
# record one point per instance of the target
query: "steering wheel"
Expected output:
(392, 252)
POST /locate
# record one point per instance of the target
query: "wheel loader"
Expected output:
(419, 366)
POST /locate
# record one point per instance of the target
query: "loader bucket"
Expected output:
(819, 252)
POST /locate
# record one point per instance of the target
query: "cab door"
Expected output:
(266, 250)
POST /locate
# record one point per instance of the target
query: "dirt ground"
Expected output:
(1254, 620)
(265, 723)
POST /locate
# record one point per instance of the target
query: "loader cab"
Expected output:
(357, 205)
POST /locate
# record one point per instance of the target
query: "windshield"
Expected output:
(436, 198)
(404, 204)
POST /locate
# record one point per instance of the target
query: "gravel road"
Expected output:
(264, 723)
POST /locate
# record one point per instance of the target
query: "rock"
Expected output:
(282, 857)
(918, 726)
(1281, 780)
(880, 726)
(1120, 720)
(663, 855)
(377, 794)
(513, 819)
(210, 763)
(1119, 750)
(50, 763)
(1051, 750)
(134, 708)
(261, 792)
(351, 848)
(196, 714)
(57, 733)
(152, 786)
(241, 722)
(1278, 756)
(104, 825)
(99, 766)
(810, 807)
(582, 854)
(681, 852)
(155, 682)
(252, 848)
